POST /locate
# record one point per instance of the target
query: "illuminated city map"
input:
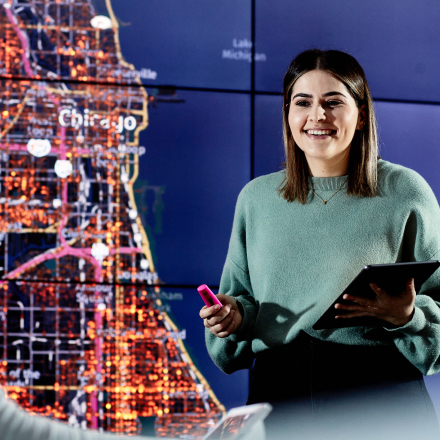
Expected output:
(84, 336)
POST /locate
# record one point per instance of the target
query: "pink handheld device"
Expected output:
(208, 297)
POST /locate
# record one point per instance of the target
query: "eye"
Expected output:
(302, 103)
(333, 103)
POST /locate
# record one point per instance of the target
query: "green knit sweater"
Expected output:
(288, 262)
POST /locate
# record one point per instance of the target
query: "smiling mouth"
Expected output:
(320, 132)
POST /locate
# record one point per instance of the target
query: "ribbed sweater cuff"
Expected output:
(415, 325)
(247, 312)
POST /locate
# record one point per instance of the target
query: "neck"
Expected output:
(333, 167)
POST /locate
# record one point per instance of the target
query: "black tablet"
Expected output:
(390, 277)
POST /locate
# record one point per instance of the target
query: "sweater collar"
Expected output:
(327, 183)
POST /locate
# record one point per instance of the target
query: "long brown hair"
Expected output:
(362, 168)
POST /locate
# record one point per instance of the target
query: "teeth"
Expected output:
(319, 132)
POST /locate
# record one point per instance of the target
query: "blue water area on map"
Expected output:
(198, 152)
(24, 247)
(394, 40)
(198, 43)
(232, 390)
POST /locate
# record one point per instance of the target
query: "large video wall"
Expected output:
(127, 130)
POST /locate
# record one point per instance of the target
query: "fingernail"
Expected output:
(216, 307)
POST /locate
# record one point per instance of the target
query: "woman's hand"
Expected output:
(395, 309)
(223, 322)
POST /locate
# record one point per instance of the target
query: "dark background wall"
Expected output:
(217, 123)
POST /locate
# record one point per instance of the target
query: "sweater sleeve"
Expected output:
(419, 339)
(235, 351)
(17, 424)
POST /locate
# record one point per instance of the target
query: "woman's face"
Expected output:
(323, 117)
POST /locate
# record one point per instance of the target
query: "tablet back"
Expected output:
(390, 277)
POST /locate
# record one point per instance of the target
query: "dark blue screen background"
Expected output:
(183, 41)
(198, 152)
(393, 40)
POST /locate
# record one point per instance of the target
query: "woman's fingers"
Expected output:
(353, 307)
(222, 322)
(365, 302)
(222, 328)
(354, 310)
(397, 309)
(219, 316)
(206, 312)
(230, 328)
(213, 319)
(354, 315)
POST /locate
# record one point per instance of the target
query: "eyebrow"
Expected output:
(305, 95)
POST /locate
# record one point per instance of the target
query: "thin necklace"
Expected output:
(324, 202)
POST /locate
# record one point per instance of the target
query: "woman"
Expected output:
(299, 237)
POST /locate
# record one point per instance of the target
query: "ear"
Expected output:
(362, 117)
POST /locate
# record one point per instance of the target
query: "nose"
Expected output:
(317, 113)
